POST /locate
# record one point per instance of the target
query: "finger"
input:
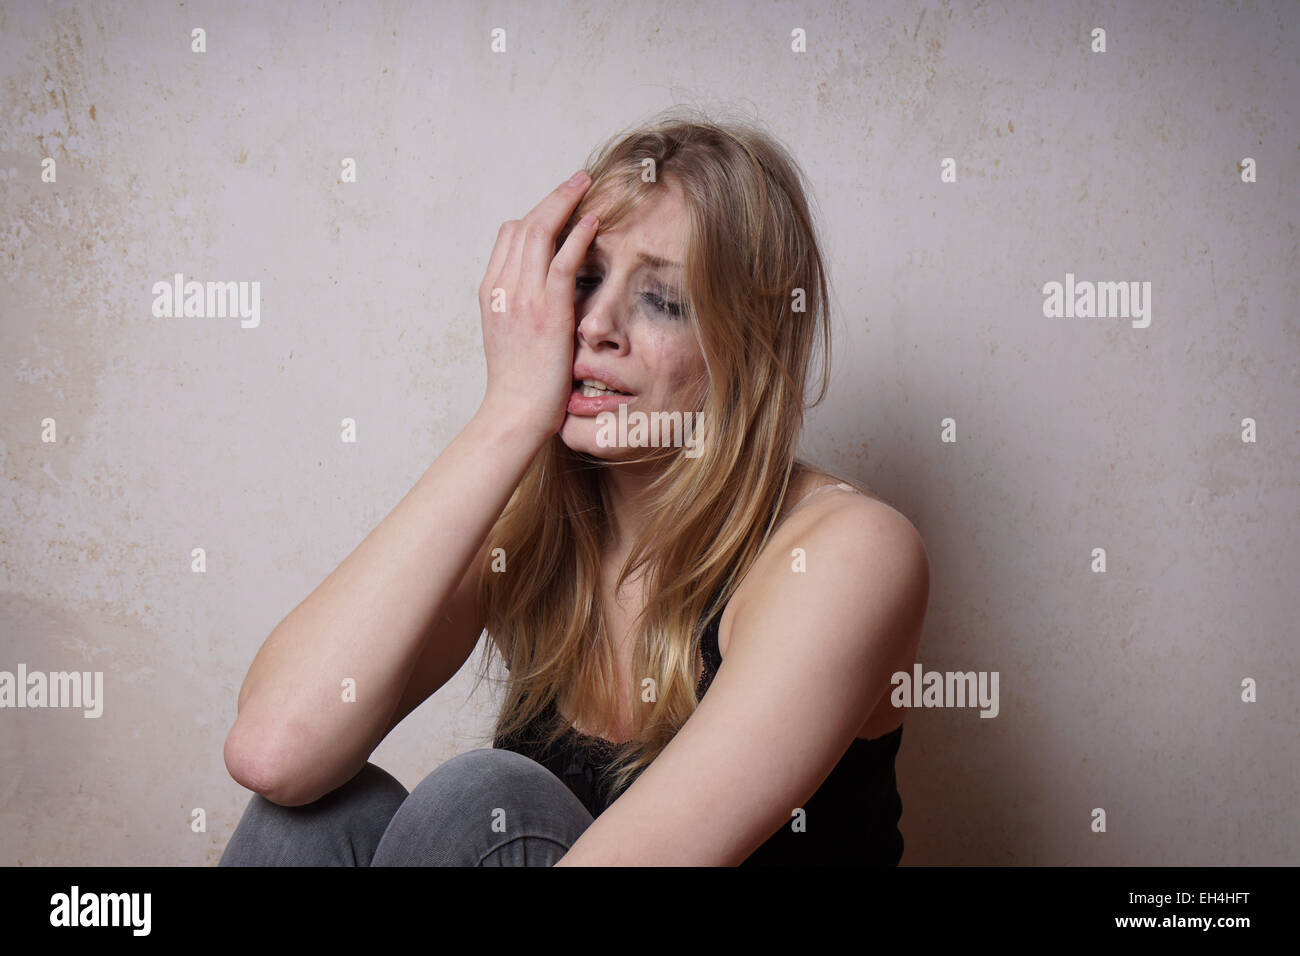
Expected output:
(509, 277)
(561, 280)
(500, 252)
(541, 226)
(556, 206)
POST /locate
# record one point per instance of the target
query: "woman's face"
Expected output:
(631, 327)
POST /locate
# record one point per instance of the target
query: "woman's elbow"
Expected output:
(253, 768)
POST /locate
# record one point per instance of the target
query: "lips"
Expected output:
(592, 405)
(597, 386)
(605, 376)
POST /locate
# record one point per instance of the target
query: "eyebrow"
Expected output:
(649, 258)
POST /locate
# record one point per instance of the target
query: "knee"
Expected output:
(492, 761)
(477, 781)
(475, 804)
(371, 785)
(474, 770)
(362, 806)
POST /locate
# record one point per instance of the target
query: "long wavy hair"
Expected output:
(755, 295)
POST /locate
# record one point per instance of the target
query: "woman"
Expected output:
(615, 575)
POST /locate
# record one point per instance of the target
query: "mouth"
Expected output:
(593, 388)
(590, 398)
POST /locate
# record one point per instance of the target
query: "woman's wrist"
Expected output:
(507, 430)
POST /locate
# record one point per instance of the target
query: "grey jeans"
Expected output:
(485, 807)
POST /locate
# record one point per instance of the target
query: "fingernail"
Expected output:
(578, 178)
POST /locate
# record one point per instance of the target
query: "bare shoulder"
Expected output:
(853, 564)
(842, 511)
(858, 543)
(851, 525)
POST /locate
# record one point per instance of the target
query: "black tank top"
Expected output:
(852, 819)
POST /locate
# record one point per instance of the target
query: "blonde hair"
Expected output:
(755, 293)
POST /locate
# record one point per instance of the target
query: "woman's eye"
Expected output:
(663, 305)
(585, 284)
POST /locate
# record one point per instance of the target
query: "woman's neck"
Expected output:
(628, 489)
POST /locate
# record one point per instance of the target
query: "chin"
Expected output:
(579, 434)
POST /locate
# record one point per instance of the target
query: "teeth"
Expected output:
(592, 387)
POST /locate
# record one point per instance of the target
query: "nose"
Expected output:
(597, 322)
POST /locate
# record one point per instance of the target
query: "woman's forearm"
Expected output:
(296, 735)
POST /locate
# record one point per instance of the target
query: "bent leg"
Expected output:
(485, 807)
(342, 828)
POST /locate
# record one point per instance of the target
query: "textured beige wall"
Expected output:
(1119, 690)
